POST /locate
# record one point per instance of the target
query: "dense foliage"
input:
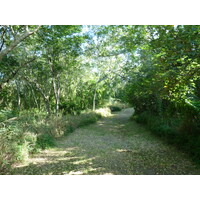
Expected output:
(164, 86)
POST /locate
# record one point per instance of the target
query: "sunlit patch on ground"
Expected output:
(114, 145)
(126, 150)
(75, 173)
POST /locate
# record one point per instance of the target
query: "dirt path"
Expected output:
(114, 145)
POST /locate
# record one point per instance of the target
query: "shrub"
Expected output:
(6, 114)
(10, 152)
(45, 141)
(142, 118)
(190, 125)
(81, 120)
(116, 105)
(31, 132)
(115, 108)
(69, 128)
(22, 152)
(30, 140)
(55, 126)
(171, 130)
(85, 118)
(7, 154)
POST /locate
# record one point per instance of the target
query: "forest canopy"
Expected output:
(61, 67)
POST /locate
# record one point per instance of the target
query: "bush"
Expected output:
(6, 114)
(142, 118)
(55, 126)
(31, 132)
(171, 130)
(13, 147)
(7, 153)
(45, 141)
(116, 105)
(22, 152)
(78, 121)
(69, 128)
(85, 118)
(115, 108)
(30, 140)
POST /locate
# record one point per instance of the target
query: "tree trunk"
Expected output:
(57, 95)
(57, 104)
(34, 96)
(56, 87)
(57, 101)
(35, 99)
(47, 107)
(94, 100)
(18, 96)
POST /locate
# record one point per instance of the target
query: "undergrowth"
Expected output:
(31, 131)
(178, 131)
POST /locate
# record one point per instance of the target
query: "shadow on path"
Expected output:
(114, 145)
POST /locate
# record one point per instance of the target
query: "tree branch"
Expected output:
(13, 32)
(14, 73)
(37, 87)
(3, 41)
(16, 42)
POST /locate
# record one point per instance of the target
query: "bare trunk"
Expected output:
(18, 96)
(94, 100)
(56, 94)
(47, 107)
(57, 104)
(56, 87)
(34, 96)
(57, 101)
(35, 100)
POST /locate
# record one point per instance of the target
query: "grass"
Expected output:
(113, 145)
